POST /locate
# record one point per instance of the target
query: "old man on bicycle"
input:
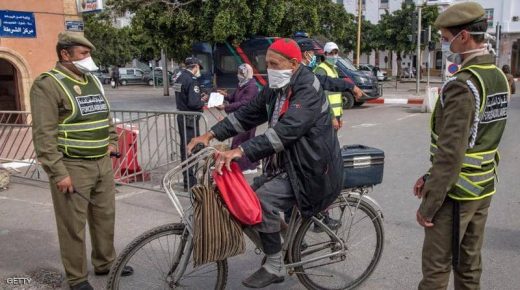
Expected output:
(304, 164)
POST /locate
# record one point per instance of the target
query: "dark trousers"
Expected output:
(188, 128)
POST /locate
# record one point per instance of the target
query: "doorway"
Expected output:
(9, 91)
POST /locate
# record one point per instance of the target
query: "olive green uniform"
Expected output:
(453, 119)
(92, 177)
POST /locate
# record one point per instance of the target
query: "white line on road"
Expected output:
(130, 194)
(406, 117)
(26, 201)
(364, 125)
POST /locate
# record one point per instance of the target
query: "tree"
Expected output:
(395, 29)
(114, 46)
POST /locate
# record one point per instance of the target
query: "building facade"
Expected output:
(503, 13)
(28, 37)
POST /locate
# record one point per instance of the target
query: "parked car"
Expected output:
(366, 82)
(104, 77)
(134, 76)
(380, 74)
(158, 76)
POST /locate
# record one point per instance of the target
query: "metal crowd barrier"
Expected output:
(149, 145)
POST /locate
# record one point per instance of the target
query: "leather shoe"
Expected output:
(127, 271)
(261, 279)
(85, 285)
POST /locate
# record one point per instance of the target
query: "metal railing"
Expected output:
(149, 144)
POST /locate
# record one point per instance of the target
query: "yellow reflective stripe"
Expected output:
(487, 157)
(483, 66)
(472, 198)
(480, 177)
(330, 72)
(473, 160)
(83, 143)
(72, 79)
(469, 187)
(87, 156)
(66, 91)
(335, 106)
(86, 126)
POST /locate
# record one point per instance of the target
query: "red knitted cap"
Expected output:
(288, 48)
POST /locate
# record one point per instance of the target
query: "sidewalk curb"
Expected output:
(411, 101)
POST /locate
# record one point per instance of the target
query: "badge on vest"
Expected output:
(91, 104)
(496, 108)
(77, 89)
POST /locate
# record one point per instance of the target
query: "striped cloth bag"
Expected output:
(217, 235)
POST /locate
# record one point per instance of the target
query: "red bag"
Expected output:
(239, 197)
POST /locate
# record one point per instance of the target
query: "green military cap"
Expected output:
(74, 38)
(460, 14)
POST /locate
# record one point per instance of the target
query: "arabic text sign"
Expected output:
(74, 25)
(17, 24)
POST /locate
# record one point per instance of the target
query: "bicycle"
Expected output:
(161, 256)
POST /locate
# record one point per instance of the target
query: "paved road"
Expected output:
(28, 238)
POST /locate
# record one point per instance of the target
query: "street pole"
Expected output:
(429, 56)
(418, 59)
(358, 50)
(166, 91)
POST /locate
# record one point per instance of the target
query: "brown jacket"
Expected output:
(49, 106)
(453, 123)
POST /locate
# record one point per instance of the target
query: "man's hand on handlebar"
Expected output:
(204, 140)
(225, 158)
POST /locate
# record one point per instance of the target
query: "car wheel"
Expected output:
(348, 101)
(124, 82)
(150, 82)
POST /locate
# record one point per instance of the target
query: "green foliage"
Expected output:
(114, 46)
(176, 25)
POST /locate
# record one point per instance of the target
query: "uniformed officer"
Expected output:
(189, 98)
(73, 135)
(466, 128)
(328, 68)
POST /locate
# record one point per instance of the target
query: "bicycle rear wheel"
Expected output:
(155, 256)
(362, 234)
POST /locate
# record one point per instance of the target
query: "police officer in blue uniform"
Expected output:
(189, 98)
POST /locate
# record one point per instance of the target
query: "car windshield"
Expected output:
(347, 63)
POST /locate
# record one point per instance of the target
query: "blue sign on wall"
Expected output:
(74, 25)
(17, 24)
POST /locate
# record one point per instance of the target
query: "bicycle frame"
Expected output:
(359, 194)
(295, 222)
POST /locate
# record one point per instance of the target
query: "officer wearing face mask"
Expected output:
(304, 165)
(73, 135)
(328, 68)
(331, 84)
(466, 127)
(189, 98)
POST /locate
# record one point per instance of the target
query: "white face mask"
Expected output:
(279, 78)
(455, 57)
(86, 65)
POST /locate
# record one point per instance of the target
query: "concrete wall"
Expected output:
(32, 56)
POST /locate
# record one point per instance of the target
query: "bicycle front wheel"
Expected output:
(360, 229)
(155, 256)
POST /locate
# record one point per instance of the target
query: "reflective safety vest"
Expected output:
(85, 132)
(335, 100)
(477, 176)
